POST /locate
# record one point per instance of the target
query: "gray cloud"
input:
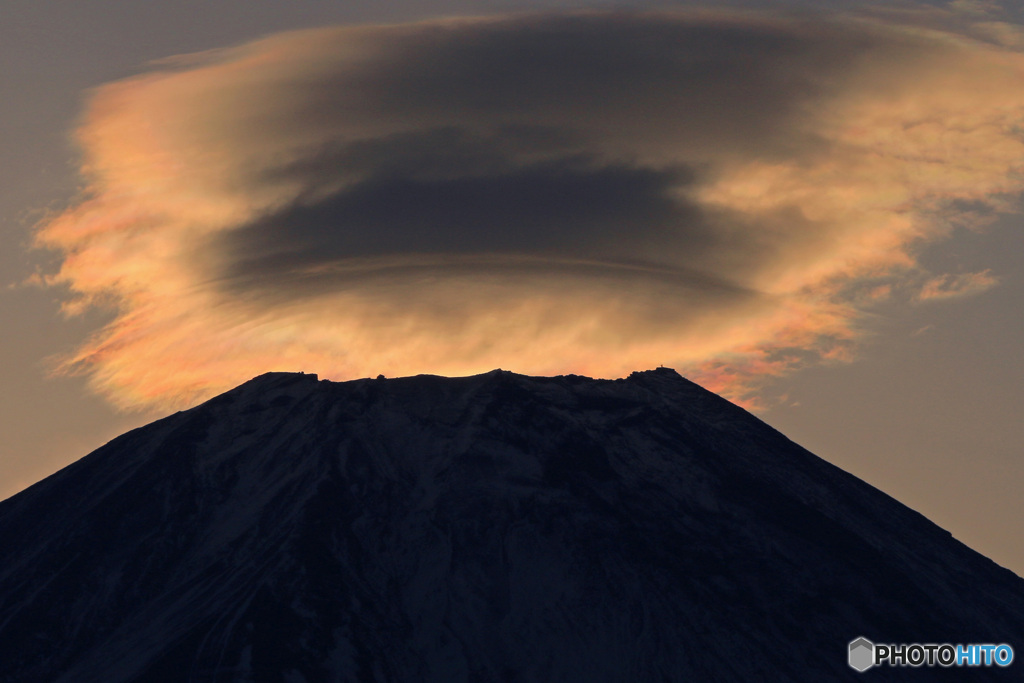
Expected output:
(566, 208)
(541, 135)
(710, 81)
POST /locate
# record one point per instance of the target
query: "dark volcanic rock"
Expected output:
(489, 528)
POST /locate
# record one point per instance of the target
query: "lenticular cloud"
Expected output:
(590, 192)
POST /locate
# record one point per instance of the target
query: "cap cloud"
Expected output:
(585, 192)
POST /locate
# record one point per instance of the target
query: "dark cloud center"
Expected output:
(550, 209)
(537, 137)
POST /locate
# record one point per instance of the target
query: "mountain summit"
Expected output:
(488, 528)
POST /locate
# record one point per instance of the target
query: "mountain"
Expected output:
(488, 528)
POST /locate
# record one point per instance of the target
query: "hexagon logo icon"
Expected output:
(862, 654)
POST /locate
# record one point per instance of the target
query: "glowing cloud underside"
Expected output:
(589, 193)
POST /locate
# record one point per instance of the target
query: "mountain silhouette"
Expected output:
(490, 528)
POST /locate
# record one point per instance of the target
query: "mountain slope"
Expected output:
(496, 527)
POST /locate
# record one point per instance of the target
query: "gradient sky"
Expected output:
(814, 213)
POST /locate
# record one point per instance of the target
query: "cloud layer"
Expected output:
(585, 192)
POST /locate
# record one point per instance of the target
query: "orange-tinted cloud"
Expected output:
(957, 286)
(588, 192)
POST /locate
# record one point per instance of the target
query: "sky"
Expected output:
(811, 208)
